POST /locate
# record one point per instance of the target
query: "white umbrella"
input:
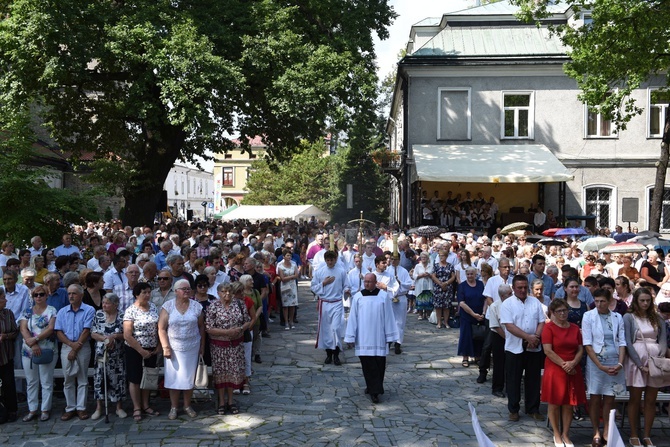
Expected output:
(513, 227)
(625, 247)
(595, 243)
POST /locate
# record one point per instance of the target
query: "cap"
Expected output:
(122, 251)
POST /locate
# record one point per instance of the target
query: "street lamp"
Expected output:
(204, 205)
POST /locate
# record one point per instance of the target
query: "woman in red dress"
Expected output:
(563, 382)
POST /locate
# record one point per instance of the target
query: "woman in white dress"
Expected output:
(288, 273)
(182, 334)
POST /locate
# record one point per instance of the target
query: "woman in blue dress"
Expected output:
(471, 303)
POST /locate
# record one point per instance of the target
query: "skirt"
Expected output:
(425, 301)
(180, 370)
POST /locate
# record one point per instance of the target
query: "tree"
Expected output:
(625, 44)
(142, 84)
(308, 178)
(30, 206)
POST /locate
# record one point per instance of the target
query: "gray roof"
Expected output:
(476, 41)
(504, 8)
(429, 21)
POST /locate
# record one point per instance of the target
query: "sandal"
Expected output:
(150, 412)
(647, 442)
(233, 409)
(30, 416)
(137, 415)
(222, 410)
(465, 364)
(634, 444)
(246, 389)
(597, 442)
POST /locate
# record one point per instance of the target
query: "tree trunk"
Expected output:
(142, 200)
(659, 185)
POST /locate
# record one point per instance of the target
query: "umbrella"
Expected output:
(649, 233)
(427, 231)
(551, 232)
(625, 247)
(533, 238)
(569, 232)
(621, 237)
(513, 227)
(595, 243)
(655, 241)
(550, 241)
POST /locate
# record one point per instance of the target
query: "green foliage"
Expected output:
(142, 84)
(627, 42)
(309, 177)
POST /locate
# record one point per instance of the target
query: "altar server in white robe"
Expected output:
(328, 284)
(371, 327)
(354, 281)
(399, 300)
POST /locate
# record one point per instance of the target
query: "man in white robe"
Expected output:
(369, 258)
(328, 284)
(399, 300)
(370, 329)
(354, 281)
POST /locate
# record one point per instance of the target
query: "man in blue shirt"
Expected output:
(537, 272)
(57, 295)
(73, 328)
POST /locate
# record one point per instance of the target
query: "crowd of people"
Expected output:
(172, 294)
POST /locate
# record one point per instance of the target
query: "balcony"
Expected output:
(389, 161)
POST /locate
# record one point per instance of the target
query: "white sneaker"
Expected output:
(287, 328)
(270, 320)
(96, 415)
(236, 391)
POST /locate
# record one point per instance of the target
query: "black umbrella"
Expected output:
(655, 241)
(428, 231)
(648, 233)
(533, 238)
(550, 241)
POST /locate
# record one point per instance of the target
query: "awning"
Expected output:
(282, 212)
(514, 163)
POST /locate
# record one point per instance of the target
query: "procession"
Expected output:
(518, 306)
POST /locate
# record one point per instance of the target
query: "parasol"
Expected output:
(655, 241)
(621, 237)
(533, 238)
(428, 231)
(596, 243)
(514, 227)
(648, 233)
(550, 241)
(625, 247)
(569, 232)
(551, 232)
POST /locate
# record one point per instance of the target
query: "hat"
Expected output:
(121, 251)
(142, 257)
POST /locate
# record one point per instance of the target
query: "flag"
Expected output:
(482, 439)
(613, 435)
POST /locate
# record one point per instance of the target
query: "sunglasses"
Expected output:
(39, 294)
(162, 277)
(202, 286)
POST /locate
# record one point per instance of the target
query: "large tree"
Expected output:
(625, 43)
(142, 84)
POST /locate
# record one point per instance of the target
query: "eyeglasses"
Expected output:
(162, 277)
(39, 294)
(202, 286)
(184, 289)
(561, 311)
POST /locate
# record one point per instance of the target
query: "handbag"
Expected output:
(201, 376)
(454, 321)
(478, 331)
(149, 378)
(247, 333)
(44, 358)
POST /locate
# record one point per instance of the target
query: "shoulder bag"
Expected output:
(201, 376)
(149, 378)
(247, 333)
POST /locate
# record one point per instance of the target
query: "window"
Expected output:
(596, 124)
(182, 186)
(599, 200)
(227, 176)
(517, 115)
(658, 109)
(453, 114)
(665, 208)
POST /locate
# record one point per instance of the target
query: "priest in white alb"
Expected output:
(370, 328)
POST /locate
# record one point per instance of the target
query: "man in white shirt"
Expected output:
(368, 258)
(523, 320)
(496, 342)
(94, 262)
(399, 300)
(66, 249)
(504, 277)
(36, 246)
(486, 258)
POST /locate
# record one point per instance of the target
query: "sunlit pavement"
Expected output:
(296, 400)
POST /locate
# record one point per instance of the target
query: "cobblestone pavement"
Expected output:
(296, 400)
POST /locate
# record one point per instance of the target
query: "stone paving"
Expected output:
(296, 400)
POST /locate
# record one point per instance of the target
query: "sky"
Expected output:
(410, 12)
